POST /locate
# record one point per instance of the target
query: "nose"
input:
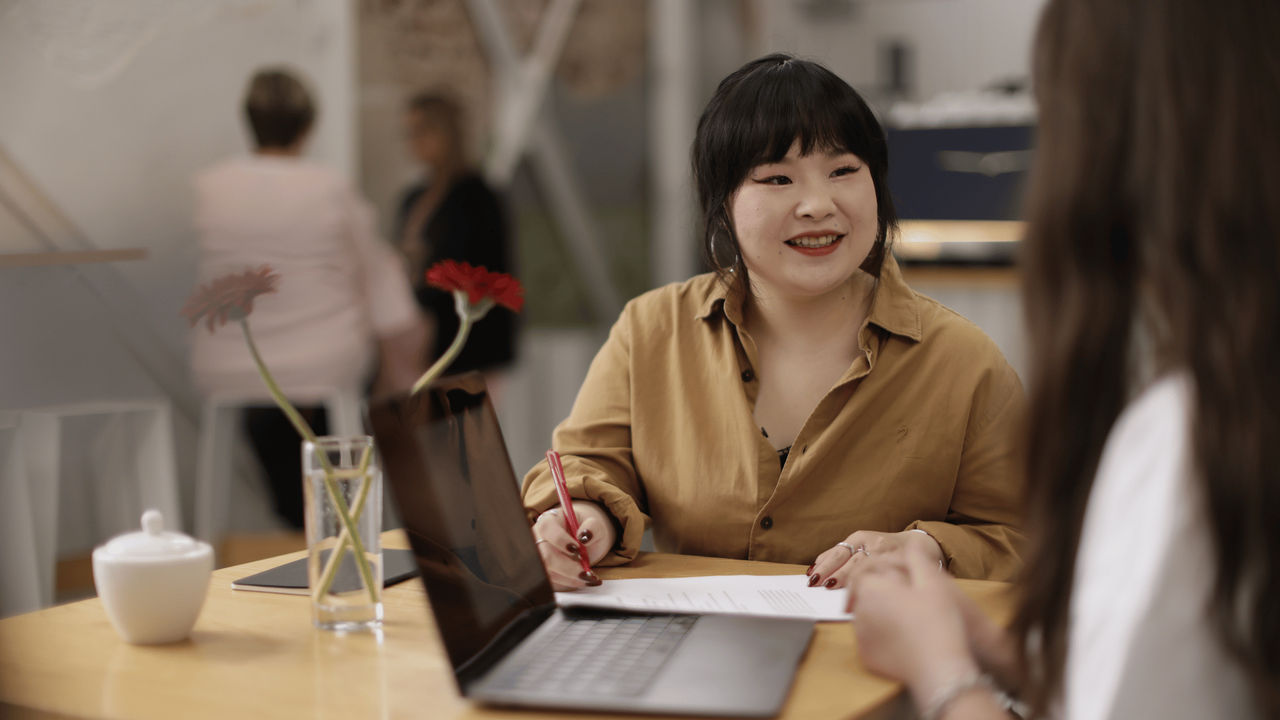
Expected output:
(815, 202)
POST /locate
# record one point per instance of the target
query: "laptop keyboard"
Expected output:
(613, 656)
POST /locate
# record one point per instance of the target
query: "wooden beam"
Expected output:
(73, 257)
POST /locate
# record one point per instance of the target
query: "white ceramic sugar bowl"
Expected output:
(153, 583)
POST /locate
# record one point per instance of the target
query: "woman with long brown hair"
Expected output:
(1152, 587)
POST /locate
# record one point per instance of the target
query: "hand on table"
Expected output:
(559, 549)
(836, 567)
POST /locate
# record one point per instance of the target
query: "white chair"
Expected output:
(218, 425)
(132, 465)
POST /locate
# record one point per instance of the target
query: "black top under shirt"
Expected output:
(782, 454)
(469, 225)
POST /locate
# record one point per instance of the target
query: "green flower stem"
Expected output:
(300, 424)
(331, 565)
(466, 316)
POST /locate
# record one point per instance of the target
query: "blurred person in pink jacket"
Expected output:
(344, 313)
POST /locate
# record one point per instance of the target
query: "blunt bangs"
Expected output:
(797, 102)
(755, 115)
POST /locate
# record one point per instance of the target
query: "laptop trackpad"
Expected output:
(732, 666)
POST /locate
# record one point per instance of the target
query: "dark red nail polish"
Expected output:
(813, 580)
(831, 583)
(590, 578)
(585, 537)
(571, 548)
(810, 570)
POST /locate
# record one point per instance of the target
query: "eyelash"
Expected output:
(784, 180)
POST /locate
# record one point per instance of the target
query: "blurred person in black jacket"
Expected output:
(453, 215)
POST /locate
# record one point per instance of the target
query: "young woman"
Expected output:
(801, 404)
(453, 214)
(1153, 580)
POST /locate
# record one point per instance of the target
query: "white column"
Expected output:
(525, 128)
(672, 121)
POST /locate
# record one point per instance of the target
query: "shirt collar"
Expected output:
(725, 298)
(896, 307)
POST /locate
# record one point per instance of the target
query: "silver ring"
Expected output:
(852, 550)
(539, 542)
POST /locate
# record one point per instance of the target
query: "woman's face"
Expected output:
(805, 223)
(429, 140)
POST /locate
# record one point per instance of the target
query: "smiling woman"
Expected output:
(820, 205)
(801, 404)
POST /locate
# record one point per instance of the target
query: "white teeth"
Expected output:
(814, 242)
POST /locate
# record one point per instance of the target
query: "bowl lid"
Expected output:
(153, 541)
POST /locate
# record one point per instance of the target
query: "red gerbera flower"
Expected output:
(475, 292)
(478, 283)
(229, 297)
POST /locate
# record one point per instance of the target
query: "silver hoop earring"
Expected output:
(718, 236)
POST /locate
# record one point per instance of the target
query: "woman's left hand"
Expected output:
(836, 567)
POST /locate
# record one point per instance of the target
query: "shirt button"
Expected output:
(747, 375)
(766, 522)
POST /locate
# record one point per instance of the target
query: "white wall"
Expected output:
(956, 44)
(108, 109)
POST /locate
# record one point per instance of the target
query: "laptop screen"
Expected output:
(446, 464)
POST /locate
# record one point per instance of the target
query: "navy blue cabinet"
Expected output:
(965, 173)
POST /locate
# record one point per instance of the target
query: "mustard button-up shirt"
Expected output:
(922, 431)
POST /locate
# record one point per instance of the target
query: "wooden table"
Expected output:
(256, 655)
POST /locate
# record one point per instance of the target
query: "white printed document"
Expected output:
(786, 596)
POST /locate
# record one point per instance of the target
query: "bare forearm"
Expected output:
(996, 652)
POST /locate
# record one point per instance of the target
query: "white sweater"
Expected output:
(341, 286)
(1141, 644)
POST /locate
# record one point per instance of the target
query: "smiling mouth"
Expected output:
(819, 241)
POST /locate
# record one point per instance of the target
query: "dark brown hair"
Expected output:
(755, 115)
(442, 111)
(1154, 209)
(279, 108)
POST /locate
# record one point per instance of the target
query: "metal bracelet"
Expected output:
(941, 563)
(949, 694)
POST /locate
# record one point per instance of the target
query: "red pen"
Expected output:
(566, 502)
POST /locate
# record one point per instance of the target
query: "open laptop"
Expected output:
(447, 465)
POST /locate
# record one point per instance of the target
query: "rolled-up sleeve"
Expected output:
(981, 537)
(595, 446)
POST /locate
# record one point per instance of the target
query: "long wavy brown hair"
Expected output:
(1154, 211)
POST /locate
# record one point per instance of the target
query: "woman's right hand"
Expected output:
(559, 549)
(908, 625)
(890, 585)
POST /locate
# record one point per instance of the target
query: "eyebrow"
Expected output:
(829, 153)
